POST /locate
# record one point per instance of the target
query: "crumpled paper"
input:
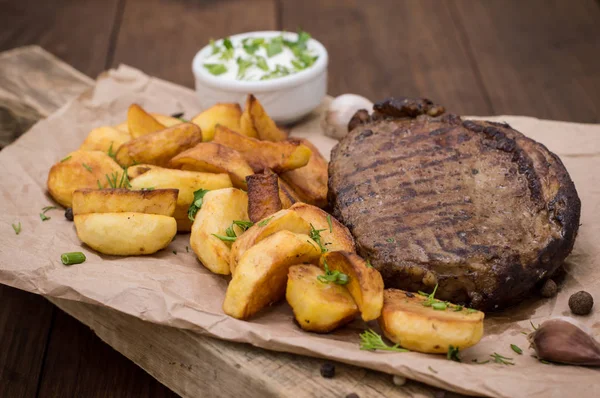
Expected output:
(174, 289)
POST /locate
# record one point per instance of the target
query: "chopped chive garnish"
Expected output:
(66, 158)
(17, 228)
(88, 168)
(329, 223)
(516, 349)
(72, 258)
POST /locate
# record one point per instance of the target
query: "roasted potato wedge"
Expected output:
(159, 147)
(260, 276)
(139, 169)
(214, 158)
(406, 321)
(187, 182)
(365, 282)
(265, 127)
(105, 139)
(318, 307)
(79, 170)
(334, 238)
(140, 122)
(158, 201)
(310, 181)
(125, 234)
(227, 115)
(277, 156)
(122, 127)
(284, 220)
(287, 195)
(165, 120)
(263, 196)
(246, 124)
(219, 209)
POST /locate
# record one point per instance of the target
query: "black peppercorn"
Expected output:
(581, 303)
(69, 214)
(328, 370)
(549, 289)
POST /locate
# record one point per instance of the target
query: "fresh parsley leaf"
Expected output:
(274, 46)
(370, 340)
(251, 46)
(216, 69)
(227, 43)
(215, 48)
(243, 65)
(197, 203)
(279, 71)
(516, 349)
(453, 354)
(17, 228)
(261, 62)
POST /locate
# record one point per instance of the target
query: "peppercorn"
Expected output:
(581, 303)
(549, 289)
(352, 395)
(69, 214)
(328, 370)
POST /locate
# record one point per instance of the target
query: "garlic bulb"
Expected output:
(341, 110)
(565, 341)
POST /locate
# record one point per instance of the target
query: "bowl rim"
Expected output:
(298, 78)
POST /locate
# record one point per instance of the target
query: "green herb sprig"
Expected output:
(264, 222)
(197, 203)
(230, 234)
(336, 276)
(371, 341)
(497, 358)
(43, 215)
(114, 181)
(453, 354)
(516, 349)
(315, 234)
(17, 228)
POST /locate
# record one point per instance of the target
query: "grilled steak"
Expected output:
(475, 207)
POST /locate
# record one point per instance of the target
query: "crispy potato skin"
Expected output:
(265, 127)
(69, 175)
(287, 195)
(158, 201)
(219, 209)
(165, 120)
(260, 277)
(365, 285)
(187, 182)
(404, 320)
(277, 156)
(104, 138)
(338, 239)
(318, 307)
(263, 196)
(125, 234)
(226, 114)
(246, 124)
(159, 147)
(284, 220)
(214, 158)
(140, 122)
(310, 181)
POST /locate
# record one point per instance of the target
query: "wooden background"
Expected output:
(526, 57)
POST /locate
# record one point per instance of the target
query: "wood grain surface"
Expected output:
(536, 58)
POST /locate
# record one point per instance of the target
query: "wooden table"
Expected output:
(537, 58)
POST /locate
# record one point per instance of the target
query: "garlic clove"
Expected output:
(339, 113)
(562, 341)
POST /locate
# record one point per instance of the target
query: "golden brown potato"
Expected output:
(406, 321)
(310, 181)
(140, 122)
(260, 276)
(263, 196)
(167, 121)
(284, 220)
(227, 115)
(334, 236)
(187, 182)
(125, 234)
(214, 158)
(158, 201)
(265, 127)
(219, 209)
(79, 170)
(365, 282)
(318, 307)
(122, 127)
(277, 156)
(139, 169)
(246, 124)
(287, 195)
(105, 139)
(159, 147)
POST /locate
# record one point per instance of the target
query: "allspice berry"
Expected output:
(581, 303)
(549, 289)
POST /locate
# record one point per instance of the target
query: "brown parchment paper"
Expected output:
(176, 290)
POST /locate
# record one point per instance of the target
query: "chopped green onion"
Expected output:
(72, 258)
(17, 228)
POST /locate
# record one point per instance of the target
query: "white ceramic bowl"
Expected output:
(286, 99)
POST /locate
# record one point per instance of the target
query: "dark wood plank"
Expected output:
(161, 37)
(25, 321)
(79, 364)
(538, 57)
(391, 47)
(76, 31)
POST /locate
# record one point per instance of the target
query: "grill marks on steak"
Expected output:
(473, 206)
